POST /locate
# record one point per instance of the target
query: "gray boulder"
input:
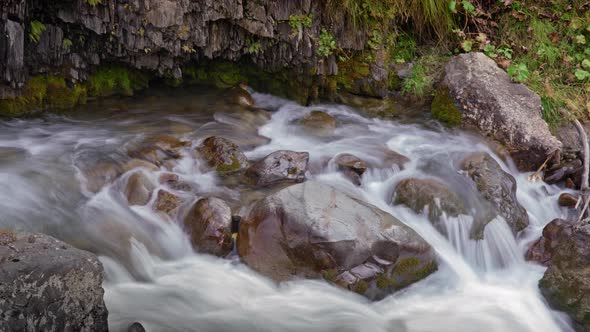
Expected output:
(47, 285)
(312, 230)
(486, 99)
(278, 167)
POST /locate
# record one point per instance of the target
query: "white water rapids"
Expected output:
(153, 276)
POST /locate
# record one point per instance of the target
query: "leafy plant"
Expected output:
(67, 44)
(326, 44)
(519, 72)
(298, 22)
(37, 29)
(581, 74)
(253, 47)
(93, 2)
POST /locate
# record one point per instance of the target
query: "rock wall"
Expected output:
(163, 36)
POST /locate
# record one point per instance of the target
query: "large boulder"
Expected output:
(566, 283)
(278, 167)
(223, 155)
(476, 93)
(430, 195)
(319, 120)
(496, 187)
(312, 230)
(208, 223)
(47, 285)
(542, 250)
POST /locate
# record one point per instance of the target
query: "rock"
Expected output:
(278, 167)
(497, 187)
(560, 172)
(48, 285)
(138, 163)
(136, 327)
(101, 174)
(542, 250)
(138, 189)
(312, 230)
(430, 194)
(209, 223)
(240, 96)
(351, 166)
(166, 202)
(486, 99)
(566, 282)
(159, 149)
(223, 155)
(567, 200)
(167, 178)
(319, 120)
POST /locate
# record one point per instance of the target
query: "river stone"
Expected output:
(566, 283)
(138, 163)
(166, 202)
(159, 149)
(48, 285)
(351, 166)
(490, 102)
(138, 189)
(319, 120)
(223, 155)
(542, 250)
(497, 187)
(100, 174)
(281, 166)
(430, 194)
(209, 223)
(240, 96)
(312, 230)
(567, 200)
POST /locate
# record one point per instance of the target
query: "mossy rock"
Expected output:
(444, 109)
(116, 80)
(61, 97)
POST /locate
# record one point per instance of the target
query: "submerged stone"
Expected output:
(223, 155)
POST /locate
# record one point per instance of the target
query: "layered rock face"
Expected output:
(47, 285)
(163, 35)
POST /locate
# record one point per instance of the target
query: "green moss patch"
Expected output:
(444, 109)
(116, 80)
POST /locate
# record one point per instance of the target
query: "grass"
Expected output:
(427, 70)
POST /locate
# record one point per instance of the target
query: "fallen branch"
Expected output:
(586, 163)
(537, 175)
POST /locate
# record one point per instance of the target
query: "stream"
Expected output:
(153, 275)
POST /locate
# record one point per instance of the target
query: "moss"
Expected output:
(406, 264)
(408, 271)
(361, 287)
(30, 101)
(61, 97)
(228, 168)
(444, 109)
(330, 275)
(116, 80)
(383, 281)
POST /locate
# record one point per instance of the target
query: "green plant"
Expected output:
(66, 44)
(298, 22)
(519, 72)
(93, 2)
(253, 47)
(37, 29)
(581, 74)
(418, 83)
(326, 44)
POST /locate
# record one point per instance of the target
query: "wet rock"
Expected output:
(351, 166)
(166, 202)
(497, 187)
(319, 120)
(278, 167)
(430, 194)
(567, 200)
(136, 327)
(138, 189)
(223, 155)
(560, 172)
(167, 178)
(486, 99)
(138, 163)
(566, 282)
(159, 149)
(101, 174)
(312, 230)
(542, 250)
(240, 96)
(48, 285)
(209, 223)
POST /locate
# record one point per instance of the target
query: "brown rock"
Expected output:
(138, 163)
(208, 223)
(542, 250)
(567, 200)
(99, 175)
(223, 155)
(138, 189)
(351, 166)
(240, 96)
(166, 202)
(319, 120)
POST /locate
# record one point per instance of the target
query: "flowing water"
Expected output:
(155, 277)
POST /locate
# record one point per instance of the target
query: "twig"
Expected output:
(586, 163)
(537, 176)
